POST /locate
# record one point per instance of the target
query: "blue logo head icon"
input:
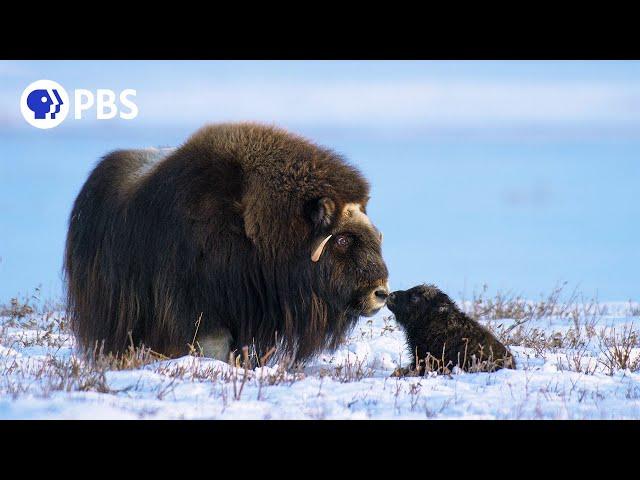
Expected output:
(44, 104)
(41, 103)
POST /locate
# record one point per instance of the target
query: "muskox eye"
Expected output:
(343, 241)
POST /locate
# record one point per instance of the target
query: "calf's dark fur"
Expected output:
(438, 331)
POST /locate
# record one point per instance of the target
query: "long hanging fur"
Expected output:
(217, 229)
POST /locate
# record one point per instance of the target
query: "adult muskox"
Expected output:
(255, 232)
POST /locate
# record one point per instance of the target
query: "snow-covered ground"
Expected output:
(563, 372)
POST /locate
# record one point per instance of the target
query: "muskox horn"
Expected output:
(315, 256)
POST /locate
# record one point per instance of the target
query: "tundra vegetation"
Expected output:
(576, 357)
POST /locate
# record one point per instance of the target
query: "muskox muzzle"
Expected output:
(376, 299)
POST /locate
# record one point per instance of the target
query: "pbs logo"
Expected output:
(44, 104)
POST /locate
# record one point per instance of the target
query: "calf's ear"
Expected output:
(321, 212)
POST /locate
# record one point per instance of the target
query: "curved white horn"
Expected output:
(315, 256)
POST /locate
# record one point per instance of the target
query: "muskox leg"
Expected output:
(216, 344)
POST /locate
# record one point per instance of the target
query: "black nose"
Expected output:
(391, 297)
(382, 293)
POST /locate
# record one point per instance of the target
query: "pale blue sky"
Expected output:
(517, 174)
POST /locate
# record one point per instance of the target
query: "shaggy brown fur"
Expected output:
(222, 229)
(435, 326)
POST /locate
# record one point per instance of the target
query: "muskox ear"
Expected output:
(321, 212)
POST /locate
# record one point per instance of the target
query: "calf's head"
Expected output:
(418, 303)
(346, 258)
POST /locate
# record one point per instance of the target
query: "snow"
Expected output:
(37, 379)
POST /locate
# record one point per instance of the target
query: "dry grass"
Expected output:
(432, 365)
(132, 358)
(579, 360)
(352, 370)
(508, 316)
(510, 305)
(24, 308)
(16, 309)
(507, 305)
(574, 347)
(30, 323)
(618, 349)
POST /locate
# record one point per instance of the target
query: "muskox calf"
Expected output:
(440, 336)
(244, 235)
